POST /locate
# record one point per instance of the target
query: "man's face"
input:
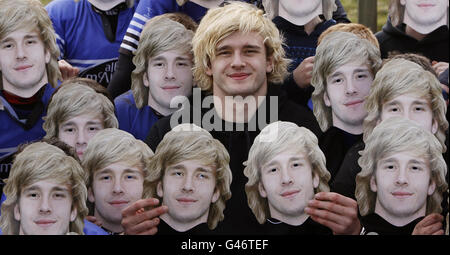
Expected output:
(188, 189)
(78, 130)
(45, 208)
(412, 107)
(169, 74)
(23, 59)
(240, 66)
(345, 93)
(402, 183)
(288, 184)
(425, 12)
(114, 188)
(300, 8)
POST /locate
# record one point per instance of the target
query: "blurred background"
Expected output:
(351, 6)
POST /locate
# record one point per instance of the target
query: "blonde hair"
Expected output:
(399, 77)
(31, 14)
(159, 35)
(37, 162)
(112, 145)
(74, 98)
(190, 142)
(271, 8)
(289, 136)
(220, 23)
(337, 49)
(394, 135)
(354, 28)
(396, 12)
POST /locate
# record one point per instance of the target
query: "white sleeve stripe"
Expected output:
(134, 32)
(128, 47)
(139, 16)
(131, 40)
(134, 23)
(60, 39)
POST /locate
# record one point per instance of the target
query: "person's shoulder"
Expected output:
(92, 229)
(125, 99)
(65, 9)
(162, 6)
(64, 5)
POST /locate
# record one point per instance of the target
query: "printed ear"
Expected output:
(434, 127)
(73, 214)
(269, 64)
(47, 56)
(159, 189)
(17, 212)
(431, 187)
(326, 99)
(208, 71)
(145, 80)
(91, 196)
(315, 180)
(215, 196)
(373, 184)
(262, 190)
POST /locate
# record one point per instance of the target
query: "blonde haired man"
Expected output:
(76, 112)
(163, 72)
(190, 174)
(344, 68)
(117, 165)
(28, 74)
(46, 193)
(239, 63)
(402, 178)
(291, 164)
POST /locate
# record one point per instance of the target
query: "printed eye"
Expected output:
(69, 130)
(31, 41)
(250, 51)
(272, 170)
(177, 173)
(394, 109)
(416, 168)
(362, 76)
(33, 195)
(59, 195)
(337, 80)
(93, 128)
(158, 64)
(105, 177)
(224, 53)
(296, 165)
(7, 46)
(202, 176)
(183, 64)
(130, 177)
(389, 167)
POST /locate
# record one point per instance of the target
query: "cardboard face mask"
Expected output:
(425, 16)
(304, 12)
(288, 183)
(188, 189)
(402, 182)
